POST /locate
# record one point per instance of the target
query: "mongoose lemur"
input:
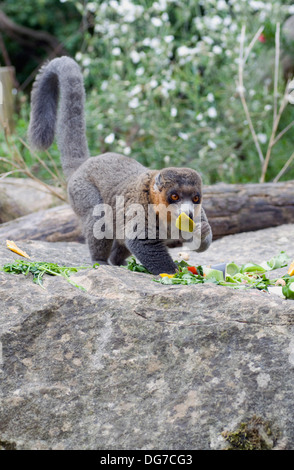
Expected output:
(92, 181)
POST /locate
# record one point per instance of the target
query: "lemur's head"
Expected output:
(179, 189)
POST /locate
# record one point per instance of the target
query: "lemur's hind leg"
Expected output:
(119, 253)
(100, 248)
(87, 203)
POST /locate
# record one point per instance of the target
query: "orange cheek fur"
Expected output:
(157, 198)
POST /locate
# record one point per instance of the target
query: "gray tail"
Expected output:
(60, 80)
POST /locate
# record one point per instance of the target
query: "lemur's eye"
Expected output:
(196, 199)
(174, 197)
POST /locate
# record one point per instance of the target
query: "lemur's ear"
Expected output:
(158, 183)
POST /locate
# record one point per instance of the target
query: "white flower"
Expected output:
(78, 56)
(227, 20)
(104, 85)
(268, 107)
(169, 38)
(110, 138)
(100, 126)
(262, 138)
(211, 144)
(140, 71)
(240, 89)
(217, 50)
(116, 51)
(160, 5)
(127, 150)
(155, 43)
(86, 61)
(134, 103)
(146, 42)
(137, 89)
(135, 57)
(210, 98)
(173, 112)
(166, 159)
(213, 22)
(199, 117)
(183, 51)
(183, 135)
(221, 5)
(208, 40)
(211, 112)
(91, 6)
(157, 22)
(153, 83)
(257, 5)
(290, 98)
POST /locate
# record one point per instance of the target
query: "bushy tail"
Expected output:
(60, 80)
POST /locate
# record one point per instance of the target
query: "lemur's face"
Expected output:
(179, 189)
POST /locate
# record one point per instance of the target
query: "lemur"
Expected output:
(99, 180)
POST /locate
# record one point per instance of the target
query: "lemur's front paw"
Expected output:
(206, 237)
(205, 230)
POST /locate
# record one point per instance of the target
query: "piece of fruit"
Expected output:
(291, 269)
(166, 275)
(184, 223)
(184, 256)
(213, 274)
(13, 247)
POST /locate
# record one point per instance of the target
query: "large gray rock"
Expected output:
(132, 364)
(22, 196)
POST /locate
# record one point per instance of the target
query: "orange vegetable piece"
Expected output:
(166, 275)
(291, 269)
(13, 247)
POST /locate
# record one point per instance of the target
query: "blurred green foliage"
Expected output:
(161, 79)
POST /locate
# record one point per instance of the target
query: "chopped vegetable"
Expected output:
(184, 223)
(39, 269)
(288, 289)
(231, 269)
(13, 247)
(192, 269)
(291, 269)
(213, 274)
(137, 267)
(248, 276)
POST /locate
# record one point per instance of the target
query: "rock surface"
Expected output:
(132, 364)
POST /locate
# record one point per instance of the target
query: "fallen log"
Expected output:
(52, 225)
(235, 208)
(231, 208)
